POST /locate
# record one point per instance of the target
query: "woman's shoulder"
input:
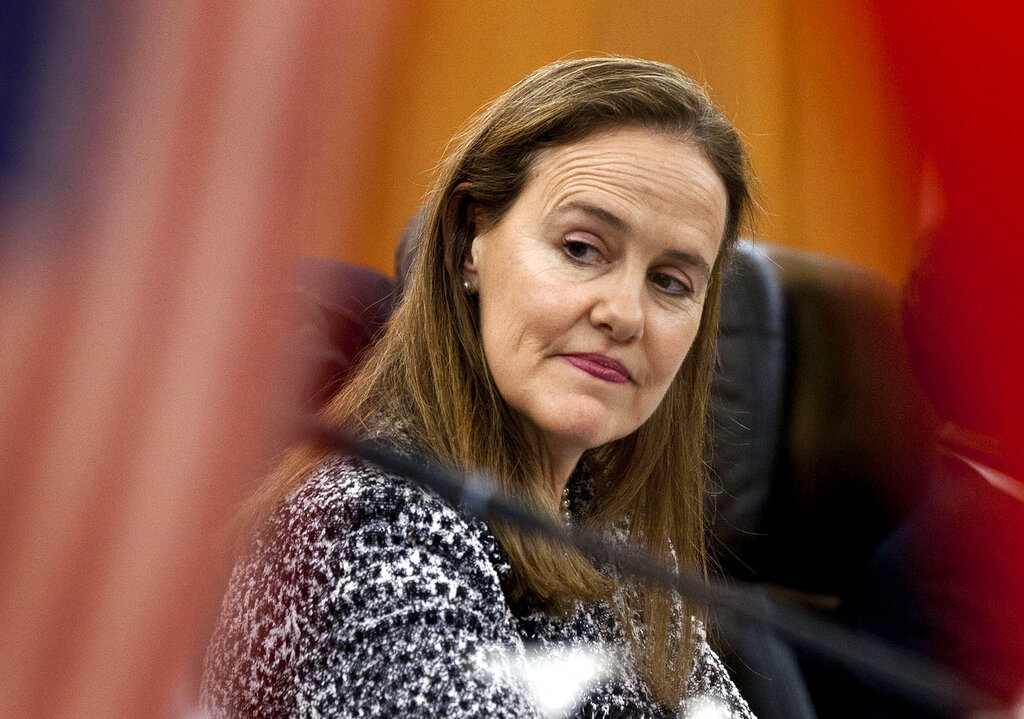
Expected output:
(348, 508)
(342, 481)
(354, 563)
(350, 492)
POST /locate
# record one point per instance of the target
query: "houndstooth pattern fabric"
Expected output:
(364, 595)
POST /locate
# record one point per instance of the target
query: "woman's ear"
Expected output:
(470, 266)
(462, 224)
(458, 226)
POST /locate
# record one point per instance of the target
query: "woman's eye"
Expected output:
(580, 251)
(670, 285)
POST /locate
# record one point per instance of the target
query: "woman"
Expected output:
(557, 329)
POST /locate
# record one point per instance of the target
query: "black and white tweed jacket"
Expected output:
(366, 596)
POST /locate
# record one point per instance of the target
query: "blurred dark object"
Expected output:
(24, 43)
(946, 583)
(50, 109)
(339, 309)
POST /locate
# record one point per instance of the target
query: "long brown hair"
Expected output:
(427, 374)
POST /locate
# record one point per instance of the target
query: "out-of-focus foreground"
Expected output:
(154, 164)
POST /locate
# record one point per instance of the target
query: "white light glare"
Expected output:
(556, 679)
(554, 676)
(705, 707)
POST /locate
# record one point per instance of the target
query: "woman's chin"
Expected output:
(582, 432)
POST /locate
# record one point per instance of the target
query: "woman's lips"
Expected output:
(600, 366)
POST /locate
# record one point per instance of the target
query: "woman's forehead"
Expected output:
(623, 160)
(626, 179)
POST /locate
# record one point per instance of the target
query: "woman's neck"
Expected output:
(556, 461)
(556, 474)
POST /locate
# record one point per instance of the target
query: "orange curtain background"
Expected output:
(804, 81)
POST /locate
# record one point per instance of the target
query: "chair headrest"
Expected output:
(746, 410)
(408, 242)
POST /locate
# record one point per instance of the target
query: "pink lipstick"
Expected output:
(600, 366)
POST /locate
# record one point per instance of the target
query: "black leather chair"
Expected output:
(822, 439)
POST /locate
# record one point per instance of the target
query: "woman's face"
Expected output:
(591, 286)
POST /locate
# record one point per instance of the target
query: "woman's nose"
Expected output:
(619, 310)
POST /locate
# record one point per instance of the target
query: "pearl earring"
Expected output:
(467, 287)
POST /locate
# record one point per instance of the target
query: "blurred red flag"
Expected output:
(960, 68)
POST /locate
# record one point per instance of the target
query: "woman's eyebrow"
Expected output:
(595, 211)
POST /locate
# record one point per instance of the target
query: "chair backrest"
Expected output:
(746, 412)
(822, 435)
